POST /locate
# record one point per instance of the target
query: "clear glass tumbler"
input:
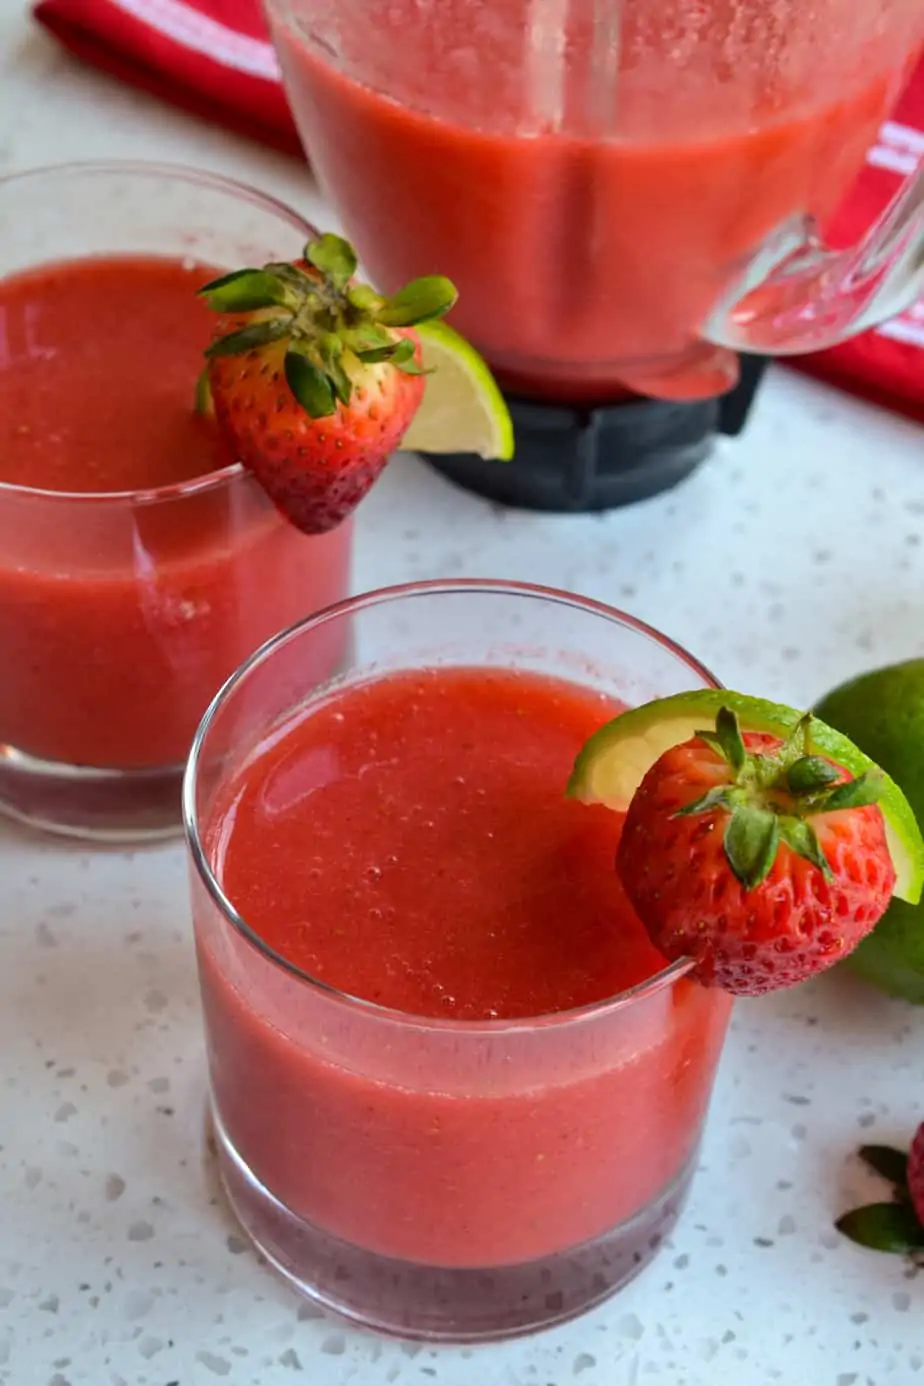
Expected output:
(121, 614)
(444, 1179)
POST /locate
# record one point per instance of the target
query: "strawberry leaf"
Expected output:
(331, 352)
(798, 743)
(397, 352)
(808, 774)
(404, 350)
(244, 291)
(751, 840)
(866, 789)
(800, 836)
(203, 403)
(419, 301)
(375, 355)
(888, 1163)
(364, 297)
(890, 1227)
(310, 386)
(293, 275)
(717, 797)
(727, 739)
(251, 337)
(334, 257)
(367, 336)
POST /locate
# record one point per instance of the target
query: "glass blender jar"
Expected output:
(627, 193)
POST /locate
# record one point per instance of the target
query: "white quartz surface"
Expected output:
(791, 560)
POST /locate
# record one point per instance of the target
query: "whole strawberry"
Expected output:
(896, 1225)
(761, 861)
(916, 1174)
(314, 379)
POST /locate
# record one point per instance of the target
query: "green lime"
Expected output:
(884, 713)
(462, 409)
(611, 765)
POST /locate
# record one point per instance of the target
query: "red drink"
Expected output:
(591, 214)
(112, 660)
(408, 842)
(138, 566)
(405, 840)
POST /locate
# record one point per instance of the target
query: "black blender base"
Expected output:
(605, 456)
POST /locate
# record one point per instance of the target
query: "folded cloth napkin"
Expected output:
(887, 364)
(213, 57)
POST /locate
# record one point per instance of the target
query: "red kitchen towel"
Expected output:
(887, 364)
(214, 57)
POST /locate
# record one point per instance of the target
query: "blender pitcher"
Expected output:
(626, 192)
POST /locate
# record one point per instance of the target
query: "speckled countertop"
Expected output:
(791, 560)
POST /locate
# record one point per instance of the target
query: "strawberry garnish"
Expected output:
(314, 378)
(759, 860)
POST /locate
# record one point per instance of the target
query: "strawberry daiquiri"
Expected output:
(500, 1128)
(407, 842)
(112, 663)
(468, 928)
(138, 565)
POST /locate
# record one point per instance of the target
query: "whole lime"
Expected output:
(883, 713)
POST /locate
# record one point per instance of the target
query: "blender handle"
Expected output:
(798, 296)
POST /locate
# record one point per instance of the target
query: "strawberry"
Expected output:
(313, 378)
(755, 858)
(916, 1174)
(897, 1225)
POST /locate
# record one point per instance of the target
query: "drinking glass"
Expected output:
(121, 614)
(440, 1178)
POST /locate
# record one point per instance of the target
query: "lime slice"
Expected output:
(463, 409)
(613, 763)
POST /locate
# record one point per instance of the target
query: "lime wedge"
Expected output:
(612, 764)
(462, 409)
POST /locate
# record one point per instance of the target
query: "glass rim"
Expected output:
(348, 606)
(178, 173)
